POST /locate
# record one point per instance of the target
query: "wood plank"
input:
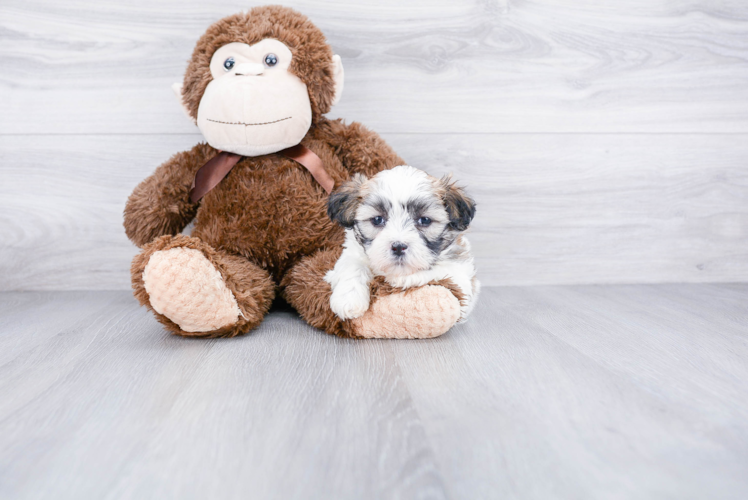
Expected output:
(566, 209)
(551, 209)
(422, 66)
(588, 392)
(564, 392)
(112, 406)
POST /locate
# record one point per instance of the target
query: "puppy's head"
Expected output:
(403, 218)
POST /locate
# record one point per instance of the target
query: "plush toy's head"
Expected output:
(257, 81)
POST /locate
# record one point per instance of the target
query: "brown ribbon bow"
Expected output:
(218, 167)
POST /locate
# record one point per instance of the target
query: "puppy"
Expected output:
(406, 226)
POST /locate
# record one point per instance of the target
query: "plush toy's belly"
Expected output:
(269, 210)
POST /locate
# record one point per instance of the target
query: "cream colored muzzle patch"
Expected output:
(255, 115)
(254, 105)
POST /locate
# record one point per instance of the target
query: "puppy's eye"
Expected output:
(424, 221)
(228, 64)
(271, 60)
(378, 221)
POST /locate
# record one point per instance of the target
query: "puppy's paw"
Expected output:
(349, 302)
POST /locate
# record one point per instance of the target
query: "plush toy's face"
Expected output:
(257, 81)
(254, 105)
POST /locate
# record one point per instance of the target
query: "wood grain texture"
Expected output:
(99, 402)
(551, 209)
(605, 142)
(421, 66)
(590, 392)
(547, 392)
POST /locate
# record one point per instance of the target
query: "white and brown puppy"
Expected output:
(406, 226)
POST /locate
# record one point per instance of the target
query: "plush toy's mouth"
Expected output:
(249, 124)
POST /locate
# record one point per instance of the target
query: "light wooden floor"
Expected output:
(548, 392)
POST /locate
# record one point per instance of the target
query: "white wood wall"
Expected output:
(606, 141)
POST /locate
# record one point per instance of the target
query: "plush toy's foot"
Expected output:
(420, 313)
(198, 291)
(186, 288)
(424, 312)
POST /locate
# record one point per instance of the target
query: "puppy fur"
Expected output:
(406, 227)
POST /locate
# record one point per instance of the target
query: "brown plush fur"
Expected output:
(305, 289)
(161, 204)
(266, 222)
(269, 211)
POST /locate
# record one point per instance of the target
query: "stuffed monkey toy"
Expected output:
(258, 86)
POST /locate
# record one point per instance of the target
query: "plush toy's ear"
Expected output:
(344, 201)
(460, 207)
(177, 88)
(338, 76)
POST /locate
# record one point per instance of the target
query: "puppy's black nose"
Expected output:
(399, 248)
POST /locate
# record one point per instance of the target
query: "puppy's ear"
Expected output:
(460, 207)
(344, 201)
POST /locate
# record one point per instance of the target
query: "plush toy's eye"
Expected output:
(378, 221)
(424, 221)
(229, 63)
(271, 60)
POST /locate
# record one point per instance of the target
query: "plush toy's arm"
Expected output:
(161, 204)
(361, 150)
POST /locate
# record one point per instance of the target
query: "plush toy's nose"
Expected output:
(249, 69)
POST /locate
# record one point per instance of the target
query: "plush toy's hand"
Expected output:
(160, 205)
(349, 299)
